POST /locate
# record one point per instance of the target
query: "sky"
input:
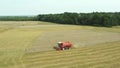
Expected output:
(35, 7)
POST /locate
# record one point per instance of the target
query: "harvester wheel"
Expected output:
(63, 49)
(68, 48)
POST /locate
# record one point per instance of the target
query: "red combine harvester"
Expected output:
(64, 45)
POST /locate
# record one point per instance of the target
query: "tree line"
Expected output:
(106, 19)
(94, 19)
(18, 18)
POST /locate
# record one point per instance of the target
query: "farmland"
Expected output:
(29, 44)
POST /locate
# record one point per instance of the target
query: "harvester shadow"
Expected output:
(54, 47)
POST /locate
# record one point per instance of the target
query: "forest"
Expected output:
(105, 19)
(93, 19)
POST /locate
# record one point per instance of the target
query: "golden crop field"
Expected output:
(29, 44)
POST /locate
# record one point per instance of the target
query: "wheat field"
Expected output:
(17, 39)
(103, 56)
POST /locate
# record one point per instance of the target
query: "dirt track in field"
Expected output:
(79, 37)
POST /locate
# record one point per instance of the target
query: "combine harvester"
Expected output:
(64, 46)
